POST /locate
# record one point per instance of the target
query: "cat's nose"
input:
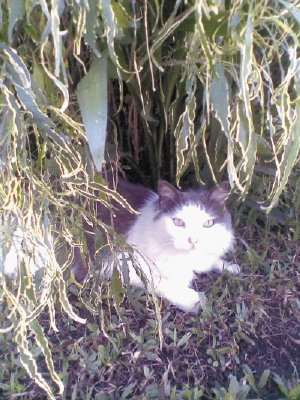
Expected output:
(192, 241)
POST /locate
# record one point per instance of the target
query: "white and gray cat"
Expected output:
(177, 233)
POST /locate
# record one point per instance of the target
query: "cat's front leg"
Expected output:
(222, 265)
(181, 296)
(209, 263)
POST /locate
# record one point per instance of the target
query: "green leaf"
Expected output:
(237, 390)
(292, 9)
(263, 379)
(234, 387)
(16, 11)
(250, 377)
(184, 340)
(117, 288)
(21, 78)
(120, 14)
(294, 392)
(245, 338)
(53, 27)
(64, 301)
(167, 29)
(26, 357)
(92, 98)
(43, 344)
(281, 384)
(204, 303)
(200, 31)
(289, 157)
(91, 26)
(219, 98)
(57, 8)
(246, 135)
(111, 30)
(184, 131)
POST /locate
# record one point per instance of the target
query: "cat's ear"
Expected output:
(219, 193)
(168, 195)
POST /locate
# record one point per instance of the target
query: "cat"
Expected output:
(176, 234)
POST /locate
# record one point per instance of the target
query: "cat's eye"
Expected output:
(209, 223)
(179, 222)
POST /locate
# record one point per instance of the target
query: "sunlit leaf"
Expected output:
(246, 134)
(91, 25)
(263, 379)
(117, 287)
(92, 98)
(16, 11)
(292, 146)
(43, 344)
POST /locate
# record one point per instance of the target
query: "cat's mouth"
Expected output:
(192, 243)
(190, 247)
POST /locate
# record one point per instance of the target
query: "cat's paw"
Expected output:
(231, 267)
(189, 301)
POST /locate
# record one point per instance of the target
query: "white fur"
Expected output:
(22, 244)
(176, 252)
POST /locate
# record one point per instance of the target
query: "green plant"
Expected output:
(289, 388)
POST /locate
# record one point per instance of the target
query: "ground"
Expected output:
(243, 344)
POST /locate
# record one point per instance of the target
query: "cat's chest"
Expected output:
(175, 265)
(169, 263)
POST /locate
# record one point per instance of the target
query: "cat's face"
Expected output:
(196, 220)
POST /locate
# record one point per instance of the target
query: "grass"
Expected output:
(243, 344)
